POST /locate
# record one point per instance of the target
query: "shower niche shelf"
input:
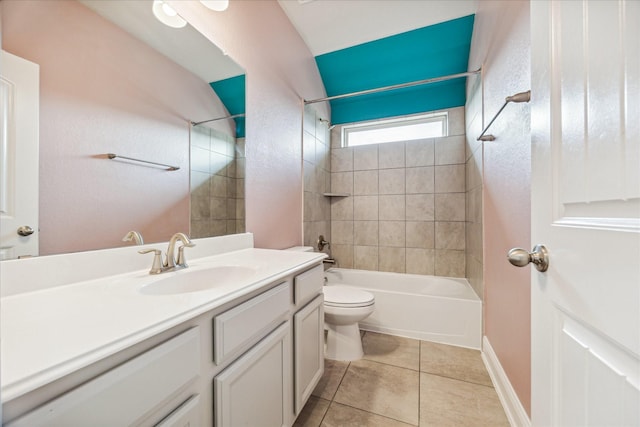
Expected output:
(336, 194)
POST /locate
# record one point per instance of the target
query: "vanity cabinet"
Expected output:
(250, 361)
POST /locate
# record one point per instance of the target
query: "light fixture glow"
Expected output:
(167, 15)
(217, 5)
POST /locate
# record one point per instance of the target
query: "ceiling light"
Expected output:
(217, 5)
(167, 15)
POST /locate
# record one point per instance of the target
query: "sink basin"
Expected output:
(186, 281)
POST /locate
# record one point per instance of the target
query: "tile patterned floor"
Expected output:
(405, 382)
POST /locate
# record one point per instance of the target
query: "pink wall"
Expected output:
(501, 45)
(281, 71)
(104, 91)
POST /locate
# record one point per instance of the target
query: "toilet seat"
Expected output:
(346, 297)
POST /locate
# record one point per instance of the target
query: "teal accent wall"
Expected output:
(433, 51)
(231, 92)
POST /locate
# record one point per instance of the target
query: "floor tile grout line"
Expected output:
(456, 379)
(372, 413)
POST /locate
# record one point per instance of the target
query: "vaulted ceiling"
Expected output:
(368, 44)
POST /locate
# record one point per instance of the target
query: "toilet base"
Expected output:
(343, 342)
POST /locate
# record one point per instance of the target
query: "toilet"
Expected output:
(344, 307)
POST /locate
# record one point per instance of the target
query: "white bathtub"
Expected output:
(440, 309)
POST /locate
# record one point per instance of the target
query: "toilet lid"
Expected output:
(346, 296)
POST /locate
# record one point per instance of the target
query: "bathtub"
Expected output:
(431, 308)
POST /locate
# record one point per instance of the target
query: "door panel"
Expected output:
(586, 211)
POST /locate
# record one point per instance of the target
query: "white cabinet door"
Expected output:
(585, 128)
(308, 327)
(256, 389)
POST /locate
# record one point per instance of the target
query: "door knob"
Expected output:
(539, 257)
(25, 230)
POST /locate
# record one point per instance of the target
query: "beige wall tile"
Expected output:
(365, 158)
(341, 160)
(342, 208)
(364, 208)
(450, 207)
(475, 276)
(456, 121)
(392, 207)
(474, 205)
(450, 150)
(392, 233)
(365, 233)
(420, 180)
(391, 155)
(342, 232)
(450, 263)
(342, 182)
(449, 179)
(421, 261)
(365, 183)
(392, 181)
(343, 254)
(420, 153)
(201, 137)
(474, 171)
(392, 259)
(420, 234)
(365, 258)
(420, 207)
(450, 235)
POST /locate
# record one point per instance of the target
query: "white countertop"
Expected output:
(50, 333)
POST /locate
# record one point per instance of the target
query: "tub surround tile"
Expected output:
(392, 233)
(421, 261)
(420, 207)
(392, 181)
(420, 234)
(366, 258)
(365, 183)
(342, 182)
(343, 254)
(342, 208)
(340, 415)
(381, 389)
(450, 179)
(449, 402)
(459, 363)
(456, 121)
(392, 259)
(392, 350)
(450, 263)
(365, 233)
(450, 207)
(420, 153)
(365, 208)
(312, 413)
(450, 150)
(420, 180)
(341, 159)
(365, 158)
(391, 155)
(309, 147)
(392, 207)
(334, 372)
(450, 235)
(342, 232)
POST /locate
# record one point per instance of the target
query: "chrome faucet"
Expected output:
(170, 263)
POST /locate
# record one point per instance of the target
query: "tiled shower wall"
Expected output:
(406, 206)
(474, 165)
(316, 170)
(217, 183)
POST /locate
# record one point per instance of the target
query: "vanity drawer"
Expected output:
(237, 329)
(123, 395)
(308, 284)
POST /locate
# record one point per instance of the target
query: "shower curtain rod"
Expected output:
(398, 86)
(219, 118)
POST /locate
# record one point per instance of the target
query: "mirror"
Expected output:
(113, 79)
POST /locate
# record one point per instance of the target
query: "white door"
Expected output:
(19, 125)
(586, 211)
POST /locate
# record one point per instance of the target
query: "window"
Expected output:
(403, 129)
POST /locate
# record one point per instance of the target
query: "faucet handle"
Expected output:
(182, 261)
(156, 267)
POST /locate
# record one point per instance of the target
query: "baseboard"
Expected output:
(513, 408)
